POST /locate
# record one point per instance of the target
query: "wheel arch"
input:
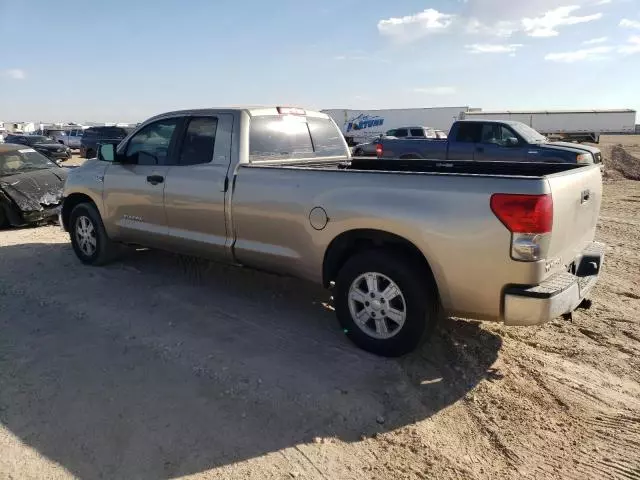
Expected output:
(70, 202)
(350, 242)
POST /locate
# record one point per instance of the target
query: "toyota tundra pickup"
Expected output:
(484, 140)
(399, 242)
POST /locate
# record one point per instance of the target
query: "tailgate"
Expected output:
(576, 205)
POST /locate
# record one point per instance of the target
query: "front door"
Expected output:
(195, 190)
(134, 188)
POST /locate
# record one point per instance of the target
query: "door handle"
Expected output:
(155, 179)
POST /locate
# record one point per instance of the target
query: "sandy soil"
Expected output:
(163, 367)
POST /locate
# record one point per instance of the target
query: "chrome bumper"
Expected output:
(559, 294)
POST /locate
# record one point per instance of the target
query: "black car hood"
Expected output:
(34, 190)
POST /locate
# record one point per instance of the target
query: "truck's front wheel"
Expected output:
(385, 302)
(88, 236)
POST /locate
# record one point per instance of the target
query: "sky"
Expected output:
(125, 60)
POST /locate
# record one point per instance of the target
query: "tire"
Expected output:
(418, 300)
(89, 154)
(357, 153)
(86, 216)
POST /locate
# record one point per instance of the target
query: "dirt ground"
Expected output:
(162, 367)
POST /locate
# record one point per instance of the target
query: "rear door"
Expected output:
(496, 144)
(463, 146)
(134, 190)
(576, 204)
(196, 186)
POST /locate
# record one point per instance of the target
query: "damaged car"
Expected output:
(30, 186)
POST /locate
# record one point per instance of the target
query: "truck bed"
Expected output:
(509, 169)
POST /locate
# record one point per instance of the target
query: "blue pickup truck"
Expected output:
(488, 140)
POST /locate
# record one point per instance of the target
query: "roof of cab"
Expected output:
(253, 111)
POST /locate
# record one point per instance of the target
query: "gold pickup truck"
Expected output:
(400, 242)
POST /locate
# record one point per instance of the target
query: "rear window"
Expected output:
(115, 132)
(294, 137)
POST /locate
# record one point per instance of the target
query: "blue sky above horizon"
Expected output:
(117, 60)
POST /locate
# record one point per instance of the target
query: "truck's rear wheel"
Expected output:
(88, 236)
(385, 303)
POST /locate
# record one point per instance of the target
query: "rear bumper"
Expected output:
(559, 294)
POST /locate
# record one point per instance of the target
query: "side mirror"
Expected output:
(512, 142)
(107, 152)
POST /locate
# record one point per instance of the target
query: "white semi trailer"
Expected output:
(363, 125)
(577, 125)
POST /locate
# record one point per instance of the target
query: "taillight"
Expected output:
(524, 213)
(379, 150)
(530, 219)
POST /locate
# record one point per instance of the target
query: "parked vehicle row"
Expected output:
(399, 242)
(483, 140)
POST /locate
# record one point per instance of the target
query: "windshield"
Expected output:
(23, 160)
(528, 133)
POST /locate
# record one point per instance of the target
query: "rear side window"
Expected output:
(327, 139)
(469, 132)
(199, 139)
(417, 132)
(401, 133)
(292, 137)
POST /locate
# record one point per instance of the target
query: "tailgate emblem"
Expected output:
(584, 196)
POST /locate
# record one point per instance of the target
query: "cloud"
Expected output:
(504, 28)
(493, 48)
(413, 27)
(626, 23)
(603, 2)
(632, 46)
(595, 53)
(595, 41)
(547, 24)
(15, 74)
(436, 90)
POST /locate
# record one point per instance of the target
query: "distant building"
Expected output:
(20, 127)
